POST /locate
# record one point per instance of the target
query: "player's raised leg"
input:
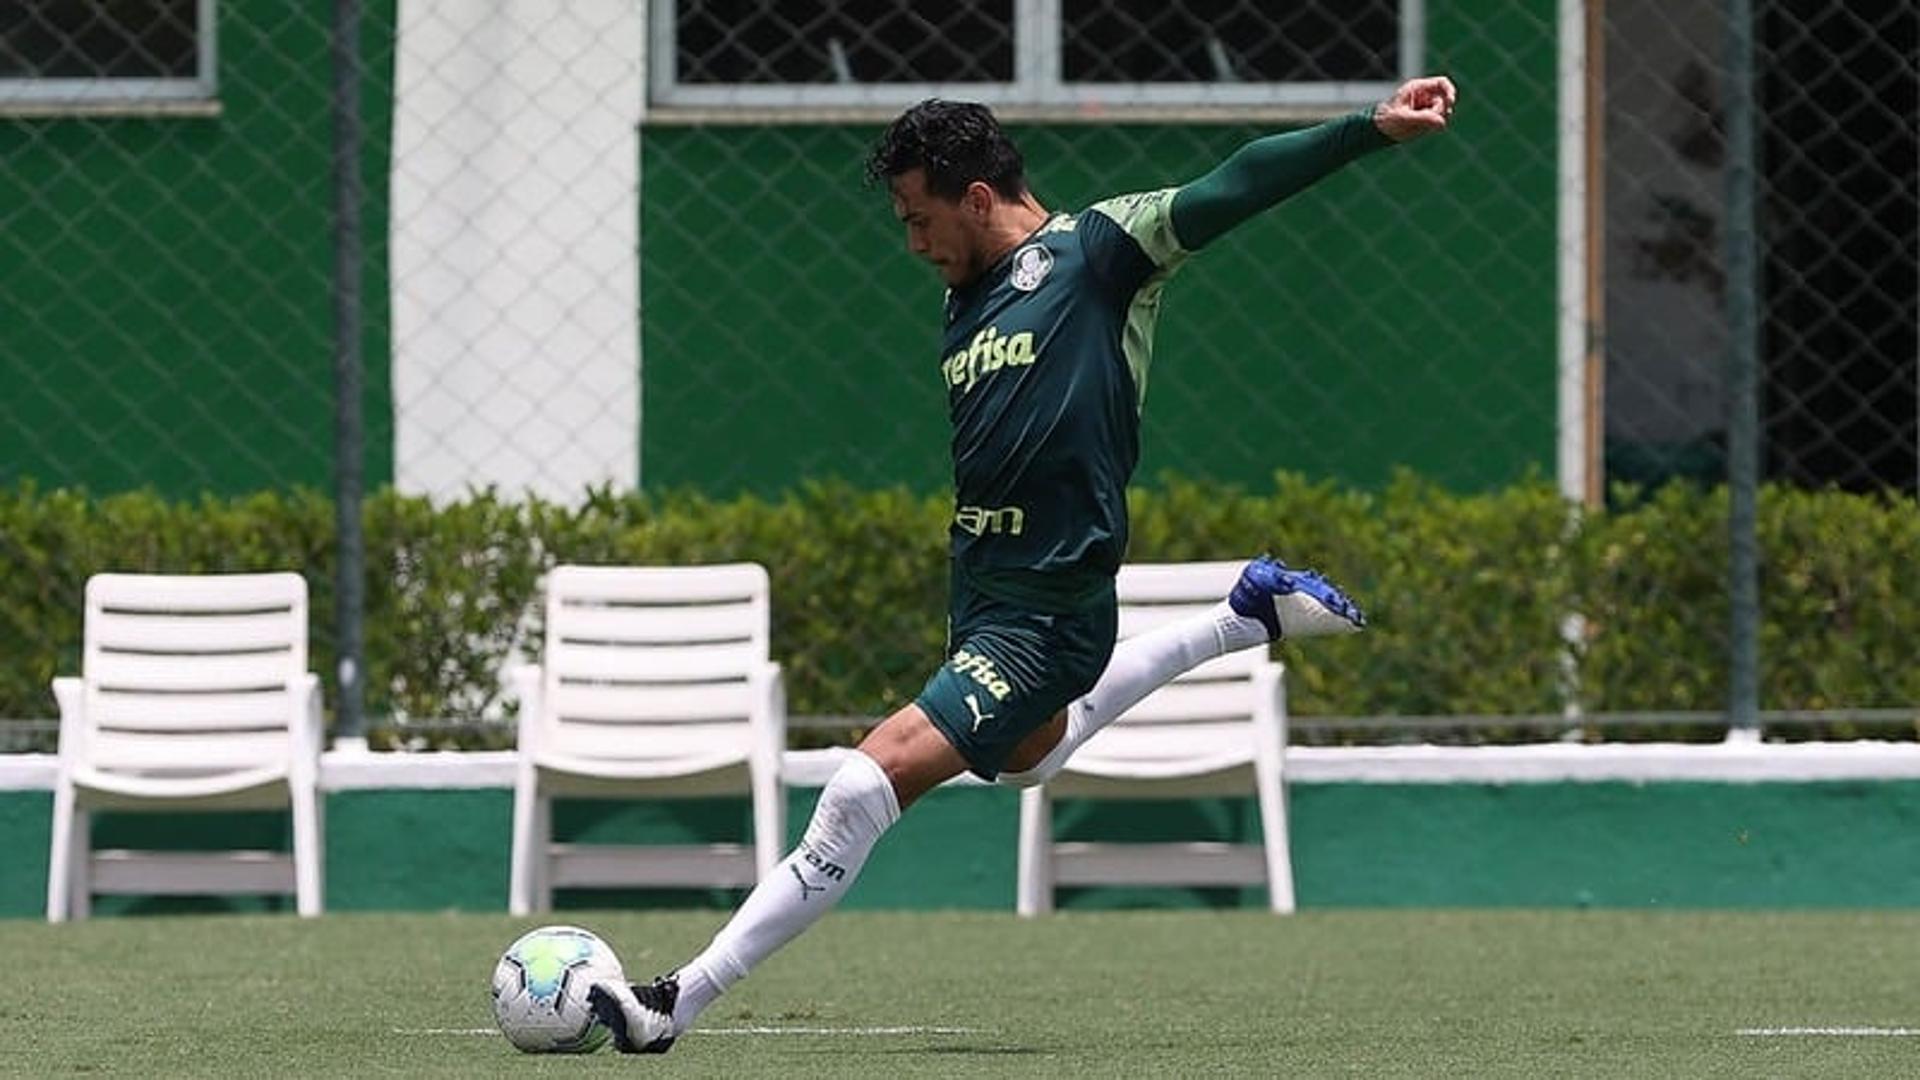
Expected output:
(1271, 601)
(899, 761)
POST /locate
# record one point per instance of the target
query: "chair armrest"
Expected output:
(71, 695)
(525, 680)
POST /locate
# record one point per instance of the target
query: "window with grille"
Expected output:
(1067, 54)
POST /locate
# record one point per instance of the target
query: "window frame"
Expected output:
(101, 92)
(1038, 85)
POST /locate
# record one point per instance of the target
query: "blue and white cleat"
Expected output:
(1293, 603)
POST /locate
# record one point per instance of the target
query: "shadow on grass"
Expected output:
(968, 1051)
(943, 1050)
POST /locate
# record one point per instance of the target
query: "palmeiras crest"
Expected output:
(1031, 265)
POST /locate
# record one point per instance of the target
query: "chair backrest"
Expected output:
(1153, 594)
(653, 663)
(192, 674)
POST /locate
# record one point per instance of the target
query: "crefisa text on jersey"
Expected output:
(989, 351)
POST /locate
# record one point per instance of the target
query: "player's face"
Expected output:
(949, 233)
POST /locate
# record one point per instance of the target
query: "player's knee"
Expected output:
(858, 797)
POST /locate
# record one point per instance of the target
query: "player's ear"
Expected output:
(978, 199)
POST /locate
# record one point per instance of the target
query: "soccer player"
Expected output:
(1048, 331)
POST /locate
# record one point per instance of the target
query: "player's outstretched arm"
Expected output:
(1268, 170)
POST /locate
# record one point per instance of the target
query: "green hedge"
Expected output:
(1466, 592)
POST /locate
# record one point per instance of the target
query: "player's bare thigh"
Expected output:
(917, 758)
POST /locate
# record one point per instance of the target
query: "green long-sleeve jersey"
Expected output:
(1045, 360)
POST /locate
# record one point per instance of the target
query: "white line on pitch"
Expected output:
(446, 1031)
(754, 1030)
(1838, 1032)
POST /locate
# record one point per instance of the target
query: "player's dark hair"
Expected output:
(956, 142)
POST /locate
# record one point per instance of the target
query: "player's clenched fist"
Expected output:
(1419, 107)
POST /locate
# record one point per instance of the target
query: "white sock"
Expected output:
(1237, 631)
(856, 806)
(1140, 665)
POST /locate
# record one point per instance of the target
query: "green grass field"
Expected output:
(887, 995)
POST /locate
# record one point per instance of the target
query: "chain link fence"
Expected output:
(1835, 213)
(615, 245)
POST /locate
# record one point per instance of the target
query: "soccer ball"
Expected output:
(540, 990)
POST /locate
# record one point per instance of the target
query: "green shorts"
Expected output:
(1011, 669)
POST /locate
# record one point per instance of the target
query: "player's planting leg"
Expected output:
(1270, 602)
(855, 808)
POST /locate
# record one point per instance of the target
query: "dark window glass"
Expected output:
(95, 39)
(843, 41)
(1230, 41)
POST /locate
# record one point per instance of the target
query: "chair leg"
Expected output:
(769, 821)
(60, 855)
(309, 853)
(1272, 795)
(1034, 895)
(527, 849)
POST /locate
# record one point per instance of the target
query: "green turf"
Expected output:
(1163, 994)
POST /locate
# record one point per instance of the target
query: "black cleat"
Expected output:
(640, 1016)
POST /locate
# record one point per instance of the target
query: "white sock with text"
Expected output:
(855, 808)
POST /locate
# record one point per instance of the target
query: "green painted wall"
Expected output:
(1840, 844)
(1683, 845)
(165, 318)
(165, 282)
(1400, 314)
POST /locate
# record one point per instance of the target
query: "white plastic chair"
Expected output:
(656, 683)
(1217, 730)
(193, 695)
